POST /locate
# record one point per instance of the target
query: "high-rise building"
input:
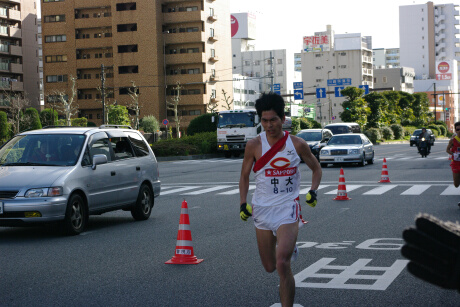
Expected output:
(153, 46)
(40, 63)
(428, 33)
(343, 59)
(18, 52)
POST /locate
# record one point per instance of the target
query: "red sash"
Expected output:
(270, 153)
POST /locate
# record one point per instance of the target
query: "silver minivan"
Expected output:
(66, 174)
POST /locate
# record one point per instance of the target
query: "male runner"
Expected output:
(275, 205)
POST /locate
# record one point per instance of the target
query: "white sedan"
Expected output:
(347, 148)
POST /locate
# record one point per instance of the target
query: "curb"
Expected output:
(191, 157)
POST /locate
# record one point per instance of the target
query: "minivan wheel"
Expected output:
(75, 217)
(363, 161)
(143, 207)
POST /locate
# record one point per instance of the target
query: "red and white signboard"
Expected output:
(316, 43)
(444, 70)
(243, 25)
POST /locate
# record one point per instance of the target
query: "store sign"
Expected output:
(443, 70)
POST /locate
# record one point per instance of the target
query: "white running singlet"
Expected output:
(278, 182)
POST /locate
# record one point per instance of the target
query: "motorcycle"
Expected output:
(423, 147)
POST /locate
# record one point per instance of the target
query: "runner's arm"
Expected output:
(248, 161)
(449, 146)
(303, 150)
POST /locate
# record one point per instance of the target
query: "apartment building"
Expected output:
(266, 66)
(399, 78)
(18, 51)
(428, 33)
(328, 56)
(385, 58)
(40, 64)
(153, 47)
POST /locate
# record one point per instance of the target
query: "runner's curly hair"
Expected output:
(270, 101)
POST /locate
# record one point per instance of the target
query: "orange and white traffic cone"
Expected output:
(384, 177)
(184, 247)
(342, 190)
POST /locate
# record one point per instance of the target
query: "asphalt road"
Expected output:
(349, 250)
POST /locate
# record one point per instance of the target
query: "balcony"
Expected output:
(17, 86)
(186, 79)
(212, 17)
(199, 99)
(11, 68)
(440, 46)
(11, 50)
(367, 71)
(85, 23)
(441, 27)
(186, 58)
(440, 37)
(91, 43)
(213, 38)
(14, 32)
(213, 79)
(183, 17)
(185, 37)
(14, 14)
(440, 18)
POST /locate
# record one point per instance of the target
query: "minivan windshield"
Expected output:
(42, 150)
(310, 136)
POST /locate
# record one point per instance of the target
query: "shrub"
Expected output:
(398, 131)
(32, 120)
(149, 124)
(435, 129)
(373, 134)
(409, 130)
(79, 122)
(200, 143)
(62, 122)
(202, 123)
(315, 124)
(295, 126)
(304, 123)
(47, 118)
(91, 124)
(387, 133)
(442, 129)
(4, 127)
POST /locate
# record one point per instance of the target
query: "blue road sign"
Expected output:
(298, 85)
(277, 92)
(276, 87)
(320, 92)
(365, 87)
(337, 91)
(298, 94)
(342, 81)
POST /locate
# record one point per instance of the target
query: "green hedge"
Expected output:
(387, 133)
(398, 131)
(373, 134)
(200, 143)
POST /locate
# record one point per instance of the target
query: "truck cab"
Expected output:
(235, 128)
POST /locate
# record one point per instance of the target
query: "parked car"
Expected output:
(414, 137)
(315, 138)
(347, 148)
(65, 175)
(340, 128)
(287, 125)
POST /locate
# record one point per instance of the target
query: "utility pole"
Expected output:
(329, 98)
(103, 92)
(435, 101)
(271, 72)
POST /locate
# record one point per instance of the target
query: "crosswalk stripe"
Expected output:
(219, 187)
(350, 187)
(380, 190)
(416, 189)
(451, 190)
(251, 187)
(179, 190)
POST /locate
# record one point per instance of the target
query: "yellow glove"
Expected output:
(311, 198)
(245, 211)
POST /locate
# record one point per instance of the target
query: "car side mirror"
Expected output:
(98, 159)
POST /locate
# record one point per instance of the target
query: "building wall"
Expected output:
(155, 46)
(401, 79)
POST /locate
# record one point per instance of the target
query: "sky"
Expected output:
(283, 24)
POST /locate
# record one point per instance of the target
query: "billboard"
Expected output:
(444, 70)
(243, 25)
(316, 43)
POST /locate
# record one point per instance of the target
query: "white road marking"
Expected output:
(219, 187)
(179, 190)
(416, 189)
(349, 187)
(451, 190)
(380, 190)
(235, 191)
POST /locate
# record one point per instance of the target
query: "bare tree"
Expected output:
(173, 104)
(133, 92)
(17, 103)
(212, 106)
(66, 102)
(226, 99)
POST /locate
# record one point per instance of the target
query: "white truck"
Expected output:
(235, 128)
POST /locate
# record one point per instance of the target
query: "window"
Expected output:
(140, 147)
(211, 33)
(128, 69)
(125, 90)
(193, 29)
(193, 71)
(384, 79)
(280, 73)
(213, 93)
(56, 78)
(55, 38)
(257, 74)
(318, 67)
(257, 63)
(247, 63)
(121, 148)
(130, 27)
(194, 112)
(54, 18)
(55, 58)
(213, 52)
(280, 61)
(126, 6)
(127, 48)
(343, 53)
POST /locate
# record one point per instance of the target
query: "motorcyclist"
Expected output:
(427, 137)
